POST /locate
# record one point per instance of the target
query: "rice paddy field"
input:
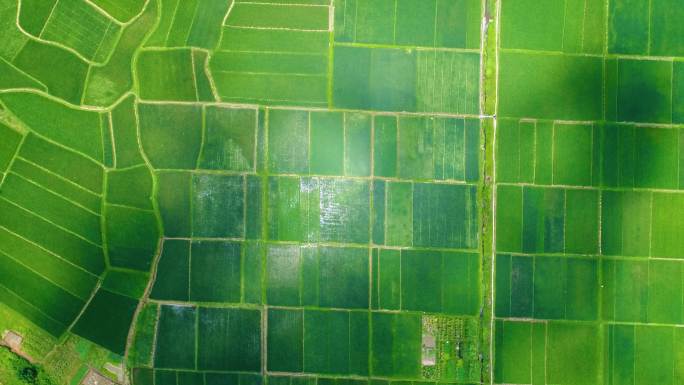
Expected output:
(344, 192)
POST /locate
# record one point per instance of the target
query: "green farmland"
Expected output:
(342, 192)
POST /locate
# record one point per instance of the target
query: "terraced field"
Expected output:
(344, 192)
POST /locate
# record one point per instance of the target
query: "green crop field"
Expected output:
(342, 192)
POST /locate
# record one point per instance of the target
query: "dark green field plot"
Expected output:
(106, 320)
(630, 23)
(215, 272)
(556, 86)
(548, 220)
(206, 205)
(220, 331)
(209, 271)
(336, 342)
(208, 339)
(547, 287)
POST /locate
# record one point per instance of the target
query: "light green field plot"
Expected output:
(394, 79)
(192, 23)
(538, 352)
(575, 26)
(344, 192)
(432, 23)
(170, 75)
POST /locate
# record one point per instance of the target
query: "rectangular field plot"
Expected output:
(546, 353)
(174, 75)
(556, 86)
(173, 272)
(190, 137)
(430, 281)
(285, 340)
(396, 345)
(131, 187)
(430, 23)
(543, 287)
(643, 157)
(639, 27)
(639, 90)
(426, 148)
(176, 337)
(547, 220)
(209, 205)
(546, 153)
(233, 378)
(204, 338)
(426, 215)
(576, 26)
(132, 237)
(278, 57)
(218, 206)
(215, 271)
(288, 16)
(319, 143)
(336, 342)
(642, 291)
(631, 352)
(642, 224)
(171, 135)
(318, 209)
(399, 80)
(209, 271)
(229, 139)
(220, 331)
(317, 276)
(145, 376)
